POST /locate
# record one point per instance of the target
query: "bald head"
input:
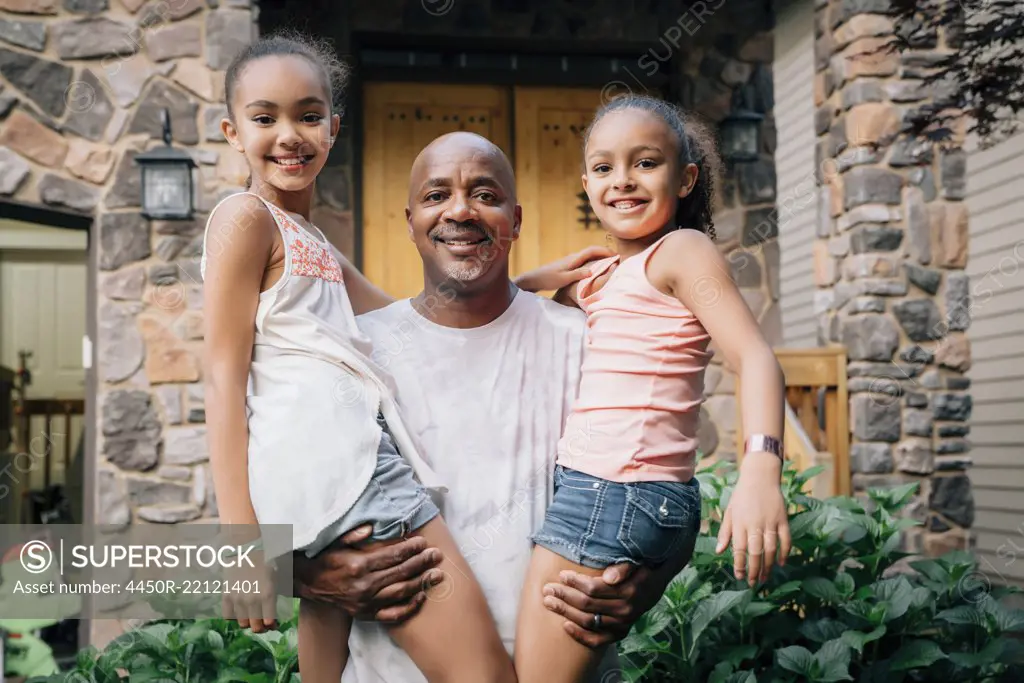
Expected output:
(461, 149)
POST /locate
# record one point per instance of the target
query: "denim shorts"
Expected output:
(595, 523)
(394, 502)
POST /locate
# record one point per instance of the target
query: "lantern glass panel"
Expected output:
(168, 189)
(740, 140)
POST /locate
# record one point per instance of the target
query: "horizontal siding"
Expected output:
(995, 200)
(796, 192)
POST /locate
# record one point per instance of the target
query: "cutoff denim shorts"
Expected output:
(596, 523)
(394, 502)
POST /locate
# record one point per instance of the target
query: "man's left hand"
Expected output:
(620, 596)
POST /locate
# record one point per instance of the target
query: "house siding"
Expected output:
(793, 76)
(995, 198)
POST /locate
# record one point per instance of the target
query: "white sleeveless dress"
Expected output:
(314, 392)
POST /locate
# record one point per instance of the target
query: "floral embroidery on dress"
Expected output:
(312, 260)
(283, 219)
(309, 260)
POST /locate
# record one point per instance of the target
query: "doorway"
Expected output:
(540, 129)
(43, 312)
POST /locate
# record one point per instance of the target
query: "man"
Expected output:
(486, 373)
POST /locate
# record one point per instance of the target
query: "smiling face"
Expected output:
(462, 213)
(633, 176)
(282, 121)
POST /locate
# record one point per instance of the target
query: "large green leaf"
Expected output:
(721, 672)
(860, 610)
(1013, 652)
(932, 569)
(897, 593)
(1009, 620)
(711, 609)
(964, 614)
(737, 655)
(234, 675)
(916, 654)
(833, 660)
(785, 590)
(807, 523)
(989, 654)
(844, 584)
(796, 659)
(755, 609)
(921, 597)
(823, 589)
(822, 630)
(152, 675)
(858, 639)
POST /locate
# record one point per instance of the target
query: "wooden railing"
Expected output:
(817, 428)
(47, 431)
(39, 443)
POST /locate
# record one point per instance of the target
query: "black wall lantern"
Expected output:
(166, 179)
(741, 133)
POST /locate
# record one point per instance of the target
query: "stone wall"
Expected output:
(889, 264)
(84, 82)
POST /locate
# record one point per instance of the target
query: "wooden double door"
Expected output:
(540, 129)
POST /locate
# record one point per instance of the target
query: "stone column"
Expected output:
(889, 264)
(746, 217)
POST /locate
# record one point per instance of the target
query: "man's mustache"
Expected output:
(449, 229)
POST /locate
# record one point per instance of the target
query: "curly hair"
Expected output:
(696, 145)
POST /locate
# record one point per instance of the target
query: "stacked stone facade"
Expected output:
(83, 85)
(889, 264)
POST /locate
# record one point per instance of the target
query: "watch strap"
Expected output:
(763, 442)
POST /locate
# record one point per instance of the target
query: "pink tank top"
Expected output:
(642, 383)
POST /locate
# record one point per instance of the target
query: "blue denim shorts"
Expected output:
(596, 523)
(394, 502)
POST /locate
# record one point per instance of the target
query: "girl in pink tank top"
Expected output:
(625, 491)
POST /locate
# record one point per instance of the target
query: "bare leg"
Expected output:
(545, 653)
(323, 642)
(453, 638)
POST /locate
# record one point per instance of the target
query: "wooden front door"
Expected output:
(557, 219)
(402, 118)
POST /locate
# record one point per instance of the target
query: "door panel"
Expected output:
(549, 163)
(42, 309)
(400, 120)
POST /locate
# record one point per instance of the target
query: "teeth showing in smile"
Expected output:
(626, 203)
(462, 243)
(291, 161)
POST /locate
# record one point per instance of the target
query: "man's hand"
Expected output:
(621, 595)
(381, 582)
(563, 272)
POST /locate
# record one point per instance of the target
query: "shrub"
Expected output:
(187, 651)
(842, 608)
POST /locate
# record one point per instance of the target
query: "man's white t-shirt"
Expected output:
(487, 406)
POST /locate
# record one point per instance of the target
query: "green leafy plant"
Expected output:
(190, 651)
(843, 608)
